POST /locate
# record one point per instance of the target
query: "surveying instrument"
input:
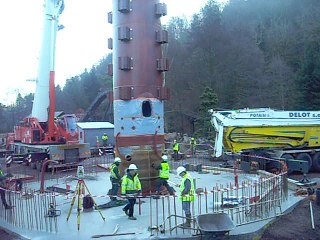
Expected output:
(80, 190)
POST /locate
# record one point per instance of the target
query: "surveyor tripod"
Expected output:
(81, 186)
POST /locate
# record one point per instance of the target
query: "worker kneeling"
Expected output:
(130, 187)
(164, 175)
(186, 193)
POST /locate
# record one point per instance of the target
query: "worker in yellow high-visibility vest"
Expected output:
(115, 178)
(193, 144)
(104, 139)
(187, 193)
(164, 175)
(175, 148)
(130, 187)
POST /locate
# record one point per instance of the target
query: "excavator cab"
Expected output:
(71, 124)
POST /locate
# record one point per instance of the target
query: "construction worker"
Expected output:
(104, 139)
(2, 188)
(115, 178)
(186, 193)
(193, 144)
(130, 186)
(175, 148)
(164, 174)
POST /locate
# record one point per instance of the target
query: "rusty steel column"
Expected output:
(138, 84)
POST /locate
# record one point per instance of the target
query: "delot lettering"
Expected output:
(299, 114)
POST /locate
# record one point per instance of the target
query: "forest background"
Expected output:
(247, 54)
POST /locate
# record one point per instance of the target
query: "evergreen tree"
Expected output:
(309, 78)
(208, 101)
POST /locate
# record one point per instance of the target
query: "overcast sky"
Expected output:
(80, 45)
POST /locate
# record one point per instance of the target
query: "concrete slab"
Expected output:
(91, 222)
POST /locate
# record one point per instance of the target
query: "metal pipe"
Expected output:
(175, 212)
(311, 213)
(44, 166)
(150, 213)
(169, 213)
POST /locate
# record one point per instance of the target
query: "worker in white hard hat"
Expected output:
(130, 186)
(164, 175)
(186, 193)
(115, 178)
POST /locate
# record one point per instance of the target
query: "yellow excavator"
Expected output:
(293, 136)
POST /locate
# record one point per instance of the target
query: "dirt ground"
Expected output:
(296, 225)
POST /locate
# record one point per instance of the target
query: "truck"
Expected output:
(45, 133)
(292, 136)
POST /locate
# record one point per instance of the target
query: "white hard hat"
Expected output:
(164, 158)
(132, 167)
(180, 170)
(117, 159)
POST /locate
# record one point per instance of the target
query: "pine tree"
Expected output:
(208, 100)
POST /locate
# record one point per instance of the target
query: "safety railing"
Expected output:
(248, 202)
(30, 210)
(245, 202)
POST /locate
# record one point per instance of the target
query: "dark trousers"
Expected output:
(114, 189)
(175, 155)
(193, 149)
(130, 206)
(3, 197)
(163, 182)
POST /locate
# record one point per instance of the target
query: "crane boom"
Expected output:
(45, 134)
(43, 104)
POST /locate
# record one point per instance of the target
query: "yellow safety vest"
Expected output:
(176, 147)
(104, 137)
(187, 197)
(164, 171)
(129, 186)
(113, 175)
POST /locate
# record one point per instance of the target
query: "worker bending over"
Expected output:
(164, 175)
(186, 193)
(130, 187)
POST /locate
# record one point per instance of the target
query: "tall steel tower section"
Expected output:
(138, 84)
